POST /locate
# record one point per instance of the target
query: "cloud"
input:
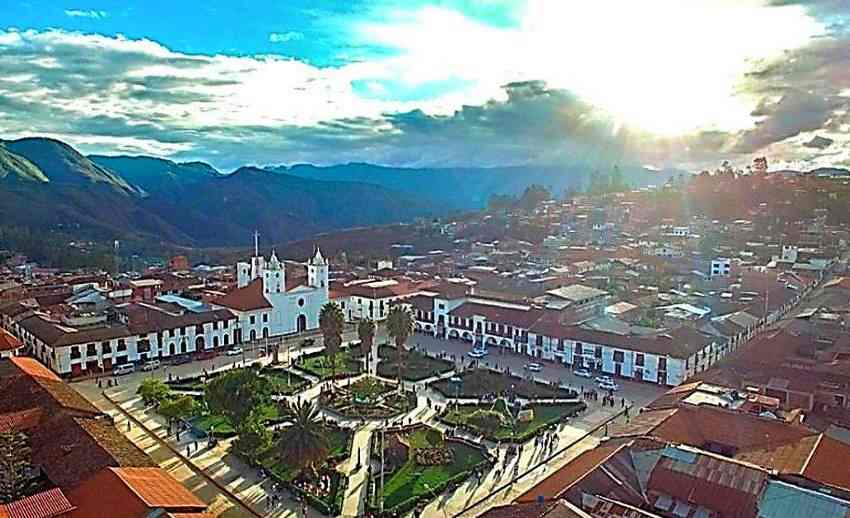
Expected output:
(447, 89)
(86, 13)
(284, 37)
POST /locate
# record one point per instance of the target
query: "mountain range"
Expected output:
(45, 184)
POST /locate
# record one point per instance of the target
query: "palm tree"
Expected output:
(366, 334)
(304, 444)
(331, 322)
(399, 327)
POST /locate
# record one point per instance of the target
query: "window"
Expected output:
(598, 352)
(106, 348)
(619, 356)
(199, 329)
(171, 332)
(662, 364)
(265, 317)
(539, 340)
(441, 306)
(75, 352)
(639, 359)
(91, 350)
(182, 331)
(253, 319)
(121, 345)
(301, 302)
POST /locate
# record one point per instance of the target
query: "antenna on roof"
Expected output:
(256, 243)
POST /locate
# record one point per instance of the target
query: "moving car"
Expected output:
(234, 351)
(533, 367)
(604, 379)
(150, 365)
(180, 360)
(582, 373)
(477, 353)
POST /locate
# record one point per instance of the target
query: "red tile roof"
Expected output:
(47, 504)
(8, 342)
(830, 463)
(157, 489)
(20, 421)
(35, 386)
(247, 298)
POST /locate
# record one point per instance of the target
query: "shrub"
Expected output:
(487, 421)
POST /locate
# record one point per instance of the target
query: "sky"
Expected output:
(662, 83)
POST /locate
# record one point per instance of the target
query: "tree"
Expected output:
(618, 181)
(304, 444)
(254, 438)
(153, 391)
(237, 393)
(331, 322)
(399, 327)
(16, 469)
(366, 334)
(177, 408)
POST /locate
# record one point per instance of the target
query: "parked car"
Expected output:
(127, 368)
(582, 373)
(234, 351)
(609, 386)
(533, 367)
(604, 379)
(477, 353)
(151, 365)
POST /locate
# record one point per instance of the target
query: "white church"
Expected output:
(274, 297)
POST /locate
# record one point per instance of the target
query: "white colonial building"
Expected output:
(275, 298)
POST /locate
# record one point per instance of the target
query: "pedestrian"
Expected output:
(188, 450)
(129, 425)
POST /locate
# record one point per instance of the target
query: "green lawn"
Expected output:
(414, 481)
(348, 362)
(417, 366)
(284, 382)
(480, 382)
(544, 417)
(222, 425)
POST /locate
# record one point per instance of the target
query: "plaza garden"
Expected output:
(368, 397)
(488, 384)
(289, 441)
(416, 366)
(419, 464)
(501, 421)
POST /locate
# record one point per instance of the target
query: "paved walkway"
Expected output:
(356, 468)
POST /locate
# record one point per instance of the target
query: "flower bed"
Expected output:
(479, 383)
(417, 366)
(368, 398)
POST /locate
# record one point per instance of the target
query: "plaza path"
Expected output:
(356, 468)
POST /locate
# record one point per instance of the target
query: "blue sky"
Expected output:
(419, 82)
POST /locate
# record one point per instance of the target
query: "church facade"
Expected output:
(274, 298)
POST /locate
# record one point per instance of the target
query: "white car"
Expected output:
(610, 386)
(477, 353)
(235, 351)
(604, 379)
(533, 367)
(582, 373)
